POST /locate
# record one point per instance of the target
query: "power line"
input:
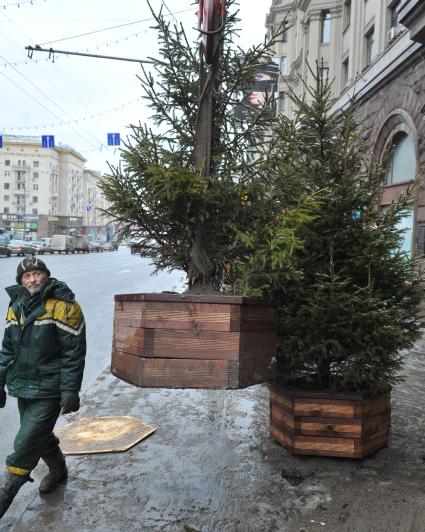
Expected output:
(112, 27)
(4, 6)
(43, 93)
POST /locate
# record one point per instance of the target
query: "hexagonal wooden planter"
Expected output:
(313, 423)
(187, 341)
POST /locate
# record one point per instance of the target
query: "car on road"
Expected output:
(108, 246)
(95, 246)
(37, 246)
(4, 250)
(21, 248)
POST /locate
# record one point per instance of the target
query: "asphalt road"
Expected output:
(94, 278)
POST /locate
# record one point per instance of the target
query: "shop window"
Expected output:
(325, 24)
(402, 161)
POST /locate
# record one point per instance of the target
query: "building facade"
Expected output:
(373, 49)
(43, 191)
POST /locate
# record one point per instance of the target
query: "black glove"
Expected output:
(2, 397)
(70, 402)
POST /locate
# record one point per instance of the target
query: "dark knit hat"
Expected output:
(30, 264)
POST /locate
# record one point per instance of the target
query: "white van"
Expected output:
(63, 244)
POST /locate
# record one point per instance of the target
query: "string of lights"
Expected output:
(92, 116)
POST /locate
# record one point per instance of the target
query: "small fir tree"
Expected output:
(352, 307)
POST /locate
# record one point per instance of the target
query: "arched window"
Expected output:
(402, 163)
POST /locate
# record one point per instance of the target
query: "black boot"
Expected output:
(10, 484)
(58, 471)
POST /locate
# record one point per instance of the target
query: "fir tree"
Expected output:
(159, 191)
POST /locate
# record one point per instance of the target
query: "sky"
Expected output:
(80, 100)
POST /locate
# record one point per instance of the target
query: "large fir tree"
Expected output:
(350, 307)
(159, 191)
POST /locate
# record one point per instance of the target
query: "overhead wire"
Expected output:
(110, 28)
(88, 132)
(21, 2)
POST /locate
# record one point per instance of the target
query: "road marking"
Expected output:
(122, 271)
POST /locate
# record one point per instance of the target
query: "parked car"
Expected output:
(5, 251)
(21, 248)
(63, 243)
(46, 247)
(37, 245)
(95, 246)
(108, 246)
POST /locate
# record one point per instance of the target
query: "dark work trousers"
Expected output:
(35, 437)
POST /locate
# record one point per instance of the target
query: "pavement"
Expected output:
(212, 466)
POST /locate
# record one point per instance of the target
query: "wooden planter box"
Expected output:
(329, 424)
(184, 341)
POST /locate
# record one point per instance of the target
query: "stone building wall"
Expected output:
(398, 104)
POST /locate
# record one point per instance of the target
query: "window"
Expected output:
(370, 46)
(35, 211)
(324, 74)
(402, 162)
(284, 65)
(285, 32)
(35, 175)
(35, 199)
(7, 162)
(347, 13)
(394, 14)
(345, 74)
(36, 164)
(6, 210)
(325, 27)
(282, 102)
(21, 174)
(35, 187)
(406, 225)
(6, 198)
(7, 173)
(6, 186)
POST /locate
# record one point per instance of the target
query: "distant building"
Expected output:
(375, 50)
(42, 190)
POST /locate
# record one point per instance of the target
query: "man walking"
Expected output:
(42, 364)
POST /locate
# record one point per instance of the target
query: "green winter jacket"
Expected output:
(43, 354)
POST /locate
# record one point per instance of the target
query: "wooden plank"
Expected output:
(192, 316)
(175, 373)
(322, 409)
(130, 339)
(281, 437)
(258, 345)
(177, 343)
(328, 429)
(226, 299)
(376, 424)
(249, 318)
(281, 418)
(314, 444)
(363, 449)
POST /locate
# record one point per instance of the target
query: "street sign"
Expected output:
(88, 208)
(47, 141)
(114, 139)
(1, 141)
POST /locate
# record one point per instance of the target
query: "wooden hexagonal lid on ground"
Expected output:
(107, 434)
